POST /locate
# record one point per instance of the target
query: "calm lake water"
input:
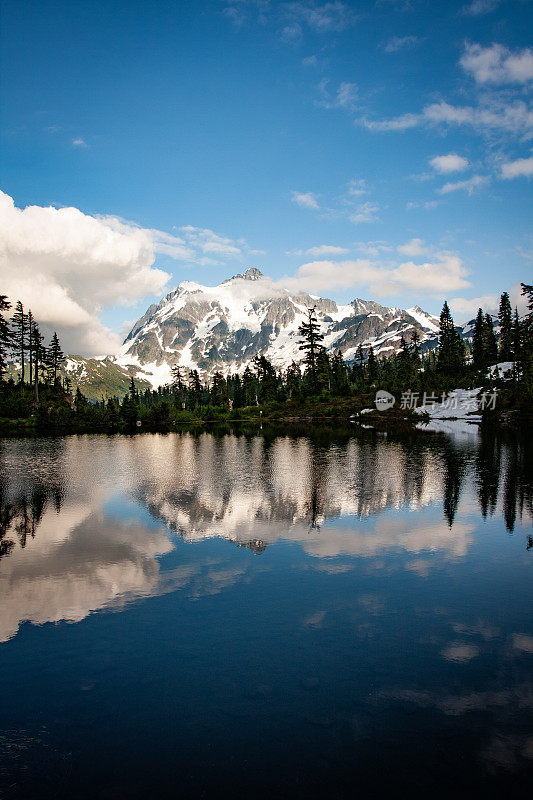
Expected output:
(282, 615)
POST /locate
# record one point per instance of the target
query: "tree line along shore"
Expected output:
(321, 385)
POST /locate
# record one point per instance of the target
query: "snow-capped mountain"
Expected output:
(224, 327)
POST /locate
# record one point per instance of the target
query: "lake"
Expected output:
(296, 613)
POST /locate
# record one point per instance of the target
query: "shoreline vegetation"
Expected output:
(322, 389)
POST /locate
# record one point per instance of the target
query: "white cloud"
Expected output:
(305, 199)
(522, 167)
(366, 212)
(66, 266)
(209, 243)
(79, 142)
(310, 61)
(445, 273)
(492, 114)
(321, 17)
(413, 248)
(467, 309)
(357, 187)
(326, 250)
(470, 186)
(400, 43)
(497, 64)
(346, 95)
(479, 7)
(449, 163)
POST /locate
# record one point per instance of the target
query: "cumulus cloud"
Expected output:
(442, 274)
(469, 186)
(522, 167)
(449, 163)
(305, 199)
(66, 266)
(467, 309)
(366, 212)
(497, 64)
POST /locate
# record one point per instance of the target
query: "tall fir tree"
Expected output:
(450, 358)
(310, 343)
(5, 334)
(20, 335)
(478, 350)
(505, 318)
(490, 345)
(56, 357)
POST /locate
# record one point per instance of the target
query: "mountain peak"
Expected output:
(251, 274)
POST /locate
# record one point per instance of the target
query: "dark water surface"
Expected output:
(279, 615)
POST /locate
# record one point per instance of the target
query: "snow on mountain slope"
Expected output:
(224, 327)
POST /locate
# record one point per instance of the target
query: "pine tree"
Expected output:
(310, 342)
(339, 374)
(266, 379)
(195, 387)
(293, 378)
(20, 326)
(451, 349)
(490, 345)
(323, 371)
(505, 318)
(371, 365)
(219, 390)
(55, 356)
(39, 356)
(478, 349)
(5, 334)
(30, 344)
(249, 386)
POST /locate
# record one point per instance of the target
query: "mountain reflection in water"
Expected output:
(65, 555)
(304, 608)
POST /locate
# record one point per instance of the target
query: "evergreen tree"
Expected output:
(55, 356)
(371, 365)
(266, 379)
(339, 374)
(505, 318)
(310, 343)
(30, 344)
(249, 386)
(323, 371)
(39, 356)
(178, 384)
(478, 345)
(490, 345)
(450, 359)
(195, 388)
(517, 343)
(238, 392)
(219, 390)
(293, 379)
(20, 326)
(5, 334)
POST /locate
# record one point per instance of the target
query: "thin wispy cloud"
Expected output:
(365, 212)
(469, 186)
(305, 199)
(400, 43)
(79, 142)
(480, 7)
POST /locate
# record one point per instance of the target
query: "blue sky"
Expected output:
(373, 149)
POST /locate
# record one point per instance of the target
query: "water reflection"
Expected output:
(66, 551)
